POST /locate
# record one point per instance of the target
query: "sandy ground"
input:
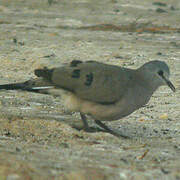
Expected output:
(37, 138)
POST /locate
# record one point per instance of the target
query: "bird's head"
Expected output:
(157, 73)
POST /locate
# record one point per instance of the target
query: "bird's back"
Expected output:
(91, 80)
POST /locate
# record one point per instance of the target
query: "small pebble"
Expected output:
(159, 53)
(13, 177)
(159, 4)
(172, 8)
(159, 10)
(164, 116)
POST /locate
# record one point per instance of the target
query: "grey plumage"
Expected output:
(105, 92)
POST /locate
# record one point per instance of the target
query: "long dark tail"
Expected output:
(12, 86)
(25, 86)
(34, 85)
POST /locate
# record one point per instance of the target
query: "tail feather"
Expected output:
(38, 85)
(26, 86)
(12, 86)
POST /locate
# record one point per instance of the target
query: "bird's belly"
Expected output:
(109, 112)
(97, 111)
(101, 112)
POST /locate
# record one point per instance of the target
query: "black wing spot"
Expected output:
(45, 73)
(89, 79)
(160, 73)
(74, 63)
(76, 73)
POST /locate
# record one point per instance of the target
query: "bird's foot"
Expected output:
(107, 129)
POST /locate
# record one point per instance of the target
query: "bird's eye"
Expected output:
(160, 73)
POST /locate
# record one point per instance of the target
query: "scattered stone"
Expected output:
(13, 177)
(160, 10)
(172, 8)
(159, 53)
(165, 171)
(159, 4)
(18, 149)
(164, 116)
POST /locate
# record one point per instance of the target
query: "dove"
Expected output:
(104, 92)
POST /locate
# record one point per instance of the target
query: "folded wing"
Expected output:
(90, 80)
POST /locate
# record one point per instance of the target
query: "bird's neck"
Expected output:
(146, 81)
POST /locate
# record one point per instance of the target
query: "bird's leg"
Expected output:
(86, 126)
(85, 123)
(102, 125)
